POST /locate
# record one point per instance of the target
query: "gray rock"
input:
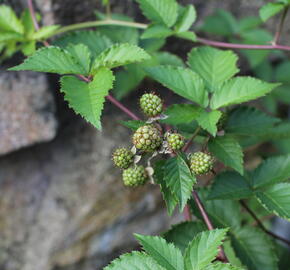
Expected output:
(27, 110)
(64, 202)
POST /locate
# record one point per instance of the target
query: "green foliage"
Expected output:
(249, 120)
(179, 179)
(160, 11)
(228, 151)
(166, 254)
(182, 81)
(230, 185)
(183, 233)
(181, 113)
(203, 249)
(276, 199)
(9, 21)
(209, 120)
(87, 99)
(186, 18)
(133, 261)
(272, 170)
(119, 55)
(240, 89)
(54, 60)
(270, 9)
(213, 65)
(254, 249)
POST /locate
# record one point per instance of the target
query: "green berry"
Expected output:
(147, 138)
(175, 141)
(135, 176)
(151, 104)
(201, 163)
(222, 121)
(123, 158)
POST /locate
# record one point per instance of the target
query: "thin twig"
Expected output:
(280, 26)
(261, 225)
(188, 144)
(221, 256)
(186, 213)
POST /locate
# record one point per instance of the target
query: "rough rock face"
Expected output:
(27, 110)
(62, 202)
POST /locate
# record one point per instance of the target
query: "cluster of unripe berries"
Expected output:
(148, 138)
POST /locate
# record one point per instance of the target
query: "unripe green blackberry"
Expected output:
(151, 104)
(147, 138)
(201, 163)
(123, 158)
(175, 141)
(222, 121)
(135, 176)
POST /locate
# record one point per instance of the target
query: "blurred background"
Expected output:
(62, 203)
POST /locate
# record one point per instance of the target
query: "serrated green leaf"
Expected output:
(209, 120)
(231, 255)
(133, 261)
(179, 179)
(223, 213)
(166, 58)
(133, 124)
(230, 185)
(87, 99)
(221, 23)
(188, 35)
(82, 54)
(213, 65)
(276, 199)
(270, 9)
(156, 31)
(9, 21)
(181, 113)
(119, 55)
(51, 59)
(166, 254)
(272, 170)
(183, 233)
(203, 249)
(240, 89)
(228, 151)
(27, 23)
(159, 11)
(96, 42)
(169, 198)
(28, 48)
(45, 32)
(186, 19)
(248, 121)
(254, 249)
(221, 266)
(182, 81)
(10, 36)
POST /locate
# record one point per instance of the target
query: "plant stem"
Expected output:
(186, 213)
(144, 26)
(99, 23)
(221, 256)
(122, 107)
(242, 46)
(32, 14)
(280, 26)
(261, 225)
(188, 144)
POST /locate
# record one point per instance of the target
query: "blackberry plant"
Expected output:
(217, 234)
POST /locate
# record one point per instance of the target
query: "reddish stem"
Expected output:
(122, 107)
(186, 213)
(242, 46)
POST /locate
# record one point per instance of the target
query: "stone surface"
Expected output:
(27, 110)
(63, 202)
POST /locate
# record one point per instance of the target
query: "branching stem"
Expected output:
(280, 26)
(261, 225)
